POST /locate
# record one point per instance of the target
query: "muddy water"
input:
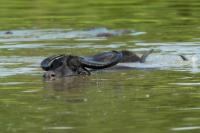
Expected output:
(160, 96)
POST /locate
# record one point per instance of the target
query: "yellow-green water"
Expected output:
(160, 96)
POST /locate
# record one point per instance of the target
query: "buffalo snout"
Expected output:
(49, 75)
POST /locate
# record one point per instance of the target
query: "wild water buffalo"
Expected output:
(70, 65)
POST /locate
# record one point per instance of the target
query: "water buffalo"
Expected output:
(69, 65)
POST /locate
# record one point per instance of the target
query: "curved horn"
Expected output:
(93, 63)
(52, 62)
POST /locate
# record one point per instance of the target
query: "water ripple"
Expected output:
(18, 65)
(185, 128)
(57, 128)
(186, 84)
(53, 34)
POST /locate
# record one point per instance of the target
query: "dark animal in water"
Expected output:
(183, 57)
(69, 65)
(9, 32)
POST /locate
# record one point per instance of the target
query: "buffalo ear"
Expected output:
(52, 62)
(101, 61)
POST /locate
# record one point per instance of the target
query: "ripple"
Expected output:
(57, 128)
(15, 71)
(185, 109)
(167, 56)
(18, 65)
(12, 83)
(19, 59)
(164, 62)
(168, 43)
(21, 46)
(30, 91)
(68, 46)
(185, 128)
(174, 47)
(53, 34)
(186, 84)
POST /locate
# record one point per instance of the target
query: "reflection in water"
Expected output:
(71, 83)
(71, 88)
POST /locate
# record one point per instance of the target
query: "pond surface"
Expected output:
(160, 96)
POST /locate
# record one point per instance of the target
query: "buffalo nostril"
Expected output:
(49, 75)
(53, 75)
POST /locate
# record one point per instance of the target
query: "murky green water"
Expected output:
(160, 96)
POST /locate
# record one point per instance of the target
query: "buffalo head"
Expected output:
(68, 65)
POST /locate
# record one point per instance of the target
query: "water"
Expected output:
(160, 96)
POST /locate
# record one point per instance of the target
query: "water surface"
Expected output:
(160, 96)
